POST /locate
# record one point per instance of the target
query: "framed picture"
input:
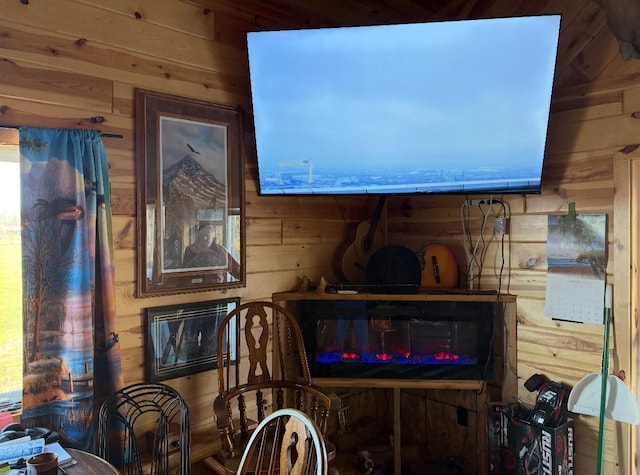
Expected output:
(190, 195)
(182, 339)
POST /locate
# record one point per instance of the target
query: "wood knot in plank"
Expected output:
(80, 42)
(124, 233)
(629, 148)
(562, 193)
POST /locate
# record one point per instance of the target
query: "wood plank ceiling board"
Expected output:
(576, 35)
(584, 22)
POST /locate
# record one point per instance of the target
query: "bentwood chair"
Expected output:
(262, 367)
(284, 443)
(145, 423)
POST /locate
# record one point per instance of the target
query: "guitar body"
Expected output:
(352, 257)
(439, 267)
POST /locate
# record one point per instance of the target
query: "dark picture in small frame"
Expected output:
(182, 339)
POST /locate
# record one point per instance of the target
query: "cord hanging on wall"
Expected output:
(476, 250)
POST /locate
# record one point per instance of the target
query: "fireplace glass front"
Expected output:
(399, 339)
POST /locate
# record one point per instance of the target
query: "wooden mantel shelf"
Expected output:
(441, 296)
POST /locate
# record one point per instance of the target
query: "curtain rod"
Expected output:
(111, 136)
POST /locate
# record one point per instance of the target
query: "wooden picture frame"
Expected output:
(190, 195)
(182, 339)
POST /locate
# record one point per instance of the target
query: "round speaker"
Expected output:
(394, 270)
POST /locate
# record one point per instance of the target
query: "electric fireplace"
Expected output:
(367, 338)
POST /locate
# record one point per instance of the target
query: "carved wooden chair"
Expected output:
(286, 442)
(262, 367)
(145, 409)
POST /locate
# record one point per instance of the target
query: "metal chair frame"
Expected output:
(121, 419)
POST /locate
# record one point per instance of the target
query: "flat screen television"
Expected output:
(440, 107)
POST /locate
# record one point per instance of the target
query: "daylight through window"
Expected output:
(10, 273)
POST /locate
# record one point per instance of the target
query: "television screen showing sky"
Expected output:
(345, 110)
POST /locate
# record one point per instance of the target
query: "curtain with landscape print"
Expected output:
(71, 349)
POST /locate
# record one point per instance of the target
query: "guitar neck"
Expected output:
(368, 240)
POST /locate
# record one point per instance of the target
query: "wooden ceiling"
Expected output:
(588, 58)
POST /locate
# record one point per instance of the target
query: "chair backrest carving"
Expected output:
(285, 443)
(256, 331)
(263, 367)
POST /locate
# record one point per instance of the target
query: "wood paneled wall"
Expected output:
(76, 63)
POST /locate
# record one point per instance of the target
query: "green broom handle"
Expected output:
(605, 377)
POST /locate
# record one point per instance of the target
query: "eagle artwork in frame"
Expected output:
(190, 195)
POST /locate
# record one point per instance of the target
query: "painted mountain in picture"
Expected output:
(188, 184)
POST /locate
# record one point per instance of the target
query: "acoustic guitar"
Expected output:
(351, 258)
(439, 267)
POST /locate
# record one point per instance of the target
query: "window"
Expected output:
(10, 272)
